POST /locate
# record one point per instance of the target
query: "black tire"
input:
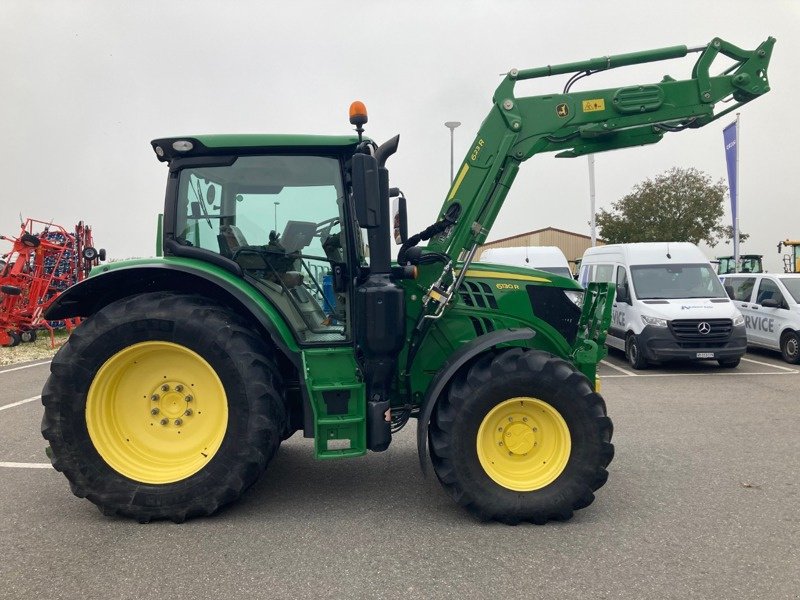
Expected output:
(490, 382)
(89, 253)
(633, 352)
(790, 347)
(28, 336)
(15, 339)
(230, 348)
(729, 363)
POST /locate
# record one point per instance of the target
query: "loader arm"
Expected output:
(577, 123)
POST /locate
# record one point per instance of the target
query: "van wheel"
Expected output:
(634, 353)
(790, 347)
(729, 363)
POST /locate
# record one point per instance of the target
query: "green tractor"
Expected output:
(275, 305)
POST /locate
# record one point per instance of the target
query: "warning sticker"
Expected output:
(594, 105)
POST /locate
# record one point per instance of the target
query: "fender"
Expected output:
(451, 366)
(113, 283)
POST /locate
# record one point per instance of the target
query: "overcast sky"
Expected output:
(87, 85)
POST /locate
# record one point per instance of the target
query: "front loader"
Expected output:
(275, 306)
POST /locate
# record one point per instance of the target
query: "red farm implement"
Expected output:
(44, 260)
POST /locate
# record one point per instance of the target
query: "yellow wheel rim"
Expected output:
(156, 412)
(523, 444)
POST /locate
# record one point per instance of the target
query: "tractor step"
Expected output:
(338, 401)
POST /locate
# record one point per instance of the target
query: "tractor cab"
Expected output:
(748, 263)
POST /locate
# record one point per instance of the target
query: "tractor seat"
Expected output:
(230, 239)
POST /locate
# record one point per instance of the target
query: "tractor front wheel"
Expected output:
(521, 436)
(163, 406)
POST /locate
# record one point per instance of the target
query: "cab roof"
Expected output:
(250, 143)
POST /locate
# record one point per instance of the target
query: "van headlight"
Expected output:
(654, 321)
(738, 320)
(576, 296)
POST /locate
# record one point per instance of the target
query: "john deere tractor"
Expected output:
(276, 306)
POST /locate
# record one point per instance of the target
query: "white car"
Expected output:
(770, 303)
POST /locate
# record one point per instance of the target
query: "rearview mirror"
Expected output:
(770, 303)
(400, 219)
(366, 190)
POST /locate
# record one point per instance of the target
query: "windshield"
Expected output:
(659, 282)
(793, 286)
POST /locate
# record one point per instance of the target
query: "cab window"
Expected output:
(604, 273)
(768, 290)
(742, 287)
(280, 218)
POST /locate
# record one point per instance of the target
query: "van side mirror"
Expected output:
(770, 303)
(366, 190)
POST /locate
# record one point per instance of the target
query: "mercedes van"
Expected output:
(670, 304)
(544, 258)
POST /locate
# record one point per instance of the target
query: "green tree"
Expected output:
(680, 205)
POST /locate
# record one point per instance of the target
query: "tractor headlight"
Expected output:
(738, 320)
(654, 321)
(576, 296)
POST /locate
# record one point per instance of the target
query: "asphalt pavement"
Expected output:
(701, 502)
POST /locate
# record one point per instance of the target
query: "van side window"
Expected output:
(622, 279)
(586, 275)
(604, 273)
(768, 290)
(742, 287)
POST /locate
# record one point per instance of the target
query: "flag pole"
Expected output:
(738, 203)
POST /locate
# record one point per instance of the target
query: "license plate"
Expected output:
(705, 355)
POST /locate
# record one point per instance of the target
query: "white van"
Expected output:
(770, 304)
(669, 305)
(544, 258)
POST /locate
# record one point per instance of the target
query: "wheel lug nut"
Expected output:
(164, 421)
(188, 412)
(188, 398)
(510, 419)
(154, 397)
(524, 418)
(178, 422)
(178, 388)
(154, 411)
(534, 428)
(501, 443)
(165, 388)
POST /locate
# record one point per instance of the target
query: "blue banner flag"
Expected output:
(729, 134)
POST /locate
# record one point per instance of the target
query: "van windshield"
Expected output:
(665, 282)
(793, 287)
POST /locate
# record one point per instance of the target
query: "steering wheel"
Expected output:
(324, 229)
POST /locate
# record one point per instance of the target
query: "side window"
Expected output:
(742, 287)
(604, 273)
(768, 290)
(586, 275)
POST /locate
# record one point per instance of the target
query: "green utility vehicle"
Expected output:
(748, 263)
(276, 306)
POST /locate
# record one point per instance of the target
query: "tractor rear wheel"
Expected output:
(521, 436)
(163, 406)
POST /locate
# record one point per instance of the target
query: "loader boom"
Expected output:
(578, 123)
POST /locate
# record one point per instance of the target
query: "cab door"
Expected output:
(770, 320)
(742, 289)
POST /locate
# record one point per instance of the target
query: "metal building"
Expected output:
(571, 244)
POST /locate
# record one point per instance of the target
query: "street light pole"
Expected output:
(451, 125)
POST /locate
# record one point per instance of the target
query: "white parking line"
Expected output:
(20, 402)
(47, 362)
(628, 373)
(721, 374)
(16, 465)
(758, 362)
